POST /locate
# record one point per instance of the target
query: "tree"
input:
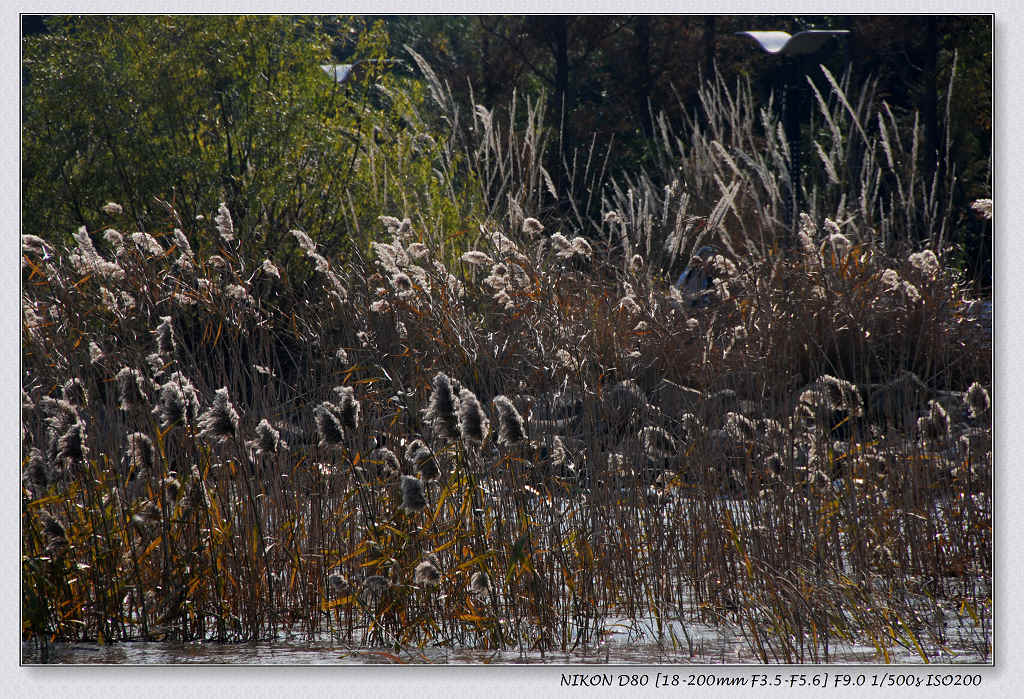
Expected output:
(195, 110)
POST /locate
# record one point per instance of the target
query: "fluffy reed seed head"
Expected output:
(926, 263)
(348, 407)
(374, 587)
(177, 401)
(934, 427)
(56, 537)
(328, 427)
(268, 440)
(165, 339)
(473, 422)
(476, 258)
(416, 452)
(427, 574)
(977, 400)
(532, 226)
(196, 497)
(390, 466)
(511, 429)
(37, 473)
(842, 395)
(983, 208)
(443, 407)
(70, 447)
(413, 499)
(139, 455)
(220, 421)
(336, 584)
(225, 227)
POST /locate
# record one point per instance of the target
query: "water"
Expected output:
(624, 643)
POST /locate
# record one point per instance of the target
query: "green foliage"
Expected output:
(199, 110)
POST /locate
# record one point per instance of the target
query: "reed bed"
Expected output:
(503, 452)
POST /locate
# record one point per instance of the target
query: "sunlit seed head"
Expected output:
(270, 269)
(934, 427)
(131, 388)
(629, 305)
(983, 208)
(835, 248)
(429, 470)
(418, 251)
(172, 487)
(112, 209)
(197, 496)
(374, 587)
(37, 472)
(612, 217)
(475, 257)
(926, 263)
(237, 293)
(442, 409)
(390, 223)
(580, 246)
(511, 429)
(114, 239)
(165, 337)
(401, 282)
(147, 244)
(911, 293)
(225, 226)
(328, 427)
(181, 242)
(560, 244)
(55, 535)
(840, 394)
(148, 513)
(977, 400)
(268, 440)
(95, 353)
(336, 584)
(532, 226)
(220, 421)
(889, 281)
(416, 452)
(73, 391)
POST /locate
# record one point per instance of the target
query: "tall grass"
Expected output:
(515, 445)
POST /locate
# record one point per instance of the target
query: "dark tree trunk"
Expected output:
(931, 94)
(642, 62)
(709, 46)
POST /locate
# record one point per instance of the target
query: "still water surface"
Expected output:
(710, 646)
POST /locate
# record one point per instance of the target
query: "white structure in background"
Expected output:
(340, 72)
(801, 43)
